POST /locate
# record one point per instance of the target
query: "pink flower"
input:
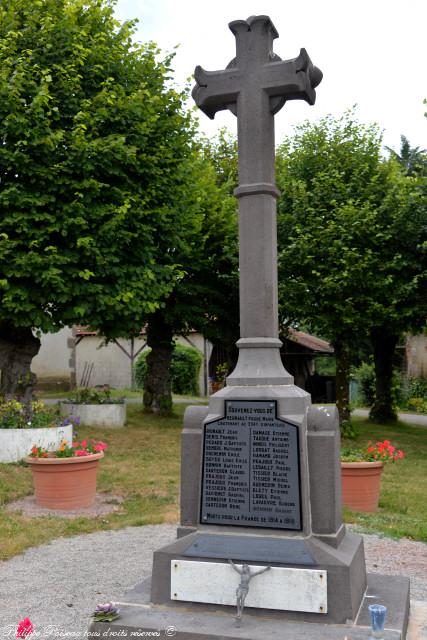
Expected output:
(101, 446)
(83, 444)
(81, 452)
(25, 628)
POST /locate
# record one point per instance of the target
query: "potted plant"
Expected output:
(96, 407)
(66, 477)
(22, 425)
(361, 471)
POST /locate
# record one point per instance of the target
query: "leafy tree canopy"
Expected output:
(206, 296)
(93, 142)
(412, 160)
(329, 174)
(352, 238)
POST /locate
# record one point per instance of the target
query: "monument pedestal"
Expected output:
(316, 587)
(309, 580)
(265, 462)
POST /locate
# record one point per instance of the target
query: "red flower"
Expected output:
(382, 452)
(101, 446)
(81, 452)
(83, 444)
(25, 628)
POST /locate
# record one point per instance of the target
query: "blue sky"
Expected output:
(372, 53)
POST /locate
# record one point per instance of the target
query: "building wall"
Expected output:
(416, 356)
(98, 363)
(53, 359)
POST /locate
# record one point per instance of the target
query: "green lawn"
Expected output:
(142, 465)
(403, 504)
(115, 393)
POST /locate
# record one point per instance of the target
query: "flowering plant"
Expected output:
(101, 395)
(36, 415)
(25, 628)
(106, 612)
(374, 452)
(65, 450)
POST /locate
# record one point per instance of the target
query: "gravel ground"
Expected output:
(58, 584)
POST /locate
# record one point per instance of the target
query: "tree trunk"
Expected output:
(384, 345)
(342, 380)
(18, 347)
(157, 382)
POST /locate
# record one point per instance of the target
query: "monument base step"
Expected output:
(139, 618)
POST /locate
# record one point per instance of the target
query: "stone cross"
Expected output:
(254, 86)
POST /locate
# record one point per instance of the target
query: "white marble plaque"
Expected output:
(279, 588)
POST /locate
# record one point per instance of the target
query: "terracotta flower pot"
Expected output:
(65, 483)
(361, 485)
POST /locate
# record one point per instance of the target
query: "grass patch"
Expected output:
(142, 464)
(403, 507)
(43, 394)
(59, 394)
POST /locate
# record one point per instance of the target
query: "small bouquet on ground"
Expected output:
(374, 452)
(106, 612)
(25, 628)
(65, 450)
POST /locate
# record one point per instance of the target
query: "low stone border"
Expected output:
(112, 416)
(15, 444)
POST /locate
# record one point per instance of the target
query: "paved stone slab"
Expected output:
(198, 622)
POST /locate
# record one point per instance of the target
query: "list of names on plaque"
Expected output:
(251, 468)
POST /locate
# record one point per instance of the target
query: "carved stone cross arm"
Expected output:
(256, 68)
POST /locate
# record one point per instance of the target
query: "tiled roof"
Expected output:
(311, 342)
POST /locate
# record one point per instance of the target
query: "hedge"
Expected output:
(185, 367)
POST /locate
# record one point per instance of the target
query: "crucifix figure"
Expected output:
(243, 588)
(254, 86)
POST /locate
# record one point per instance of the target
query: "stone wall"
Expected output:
(53, 363)
(416, 356)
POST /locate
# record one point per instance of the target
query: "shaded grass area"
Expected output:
(403, 500)
(115, 393)
(142, 464)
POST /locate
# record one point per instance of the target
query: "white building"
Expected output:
(75, 356)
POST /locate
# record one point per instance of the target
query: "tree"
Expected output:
(328, 175)
(412, 160)
(204, 298)
(399, 281)
(352, 245)
(92, 146)
(222, 326)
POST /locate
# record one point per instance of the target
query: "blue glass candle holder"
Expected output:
(377, 613)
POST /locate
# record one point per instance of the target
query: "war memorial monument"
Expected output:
(262, 551)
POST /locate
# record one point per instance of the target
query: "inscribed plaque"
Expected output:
(250, 471)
